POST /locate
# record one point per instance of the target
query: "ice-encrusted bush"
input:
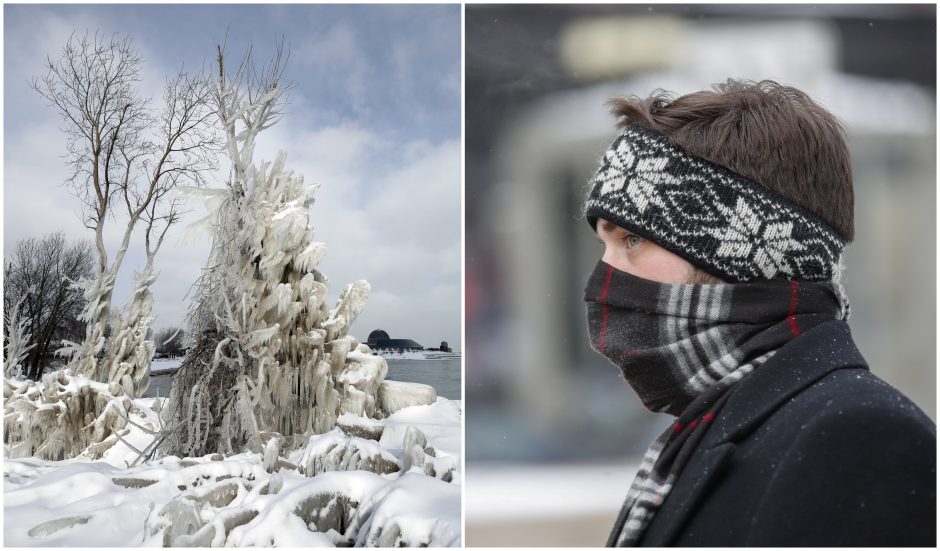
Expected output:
(17, 340)
(130, 353)
(266, 352)
(84, 356)
(63, 416)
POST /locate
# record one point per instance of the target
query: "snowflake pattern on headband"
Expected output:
(720, 221)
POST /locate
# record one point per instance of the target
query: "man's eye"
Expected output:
(632, 241)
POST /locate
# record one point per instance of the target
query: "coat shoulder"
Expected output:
(859, 398)
(867, 449)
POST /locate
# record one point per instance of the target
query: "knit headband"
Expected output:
(717, 220)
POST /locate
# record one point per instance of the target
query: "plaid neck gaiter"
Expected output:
(681, 347)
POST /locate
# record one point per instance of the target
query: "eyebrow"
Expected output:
(609, 227)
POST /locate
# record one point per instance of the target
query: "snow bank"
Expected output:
(335, 451)
(363, 427)
(241, 500)
(413, 511)
(440, 423)
(165, 364)
(417, 355)
(396, 395)
(506, 493)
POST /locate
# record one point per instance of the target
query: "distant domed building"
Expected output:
(380, 340)
(377, 335)
(383, 345)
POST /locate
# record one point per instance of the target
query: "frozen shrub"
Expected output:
(266, 353)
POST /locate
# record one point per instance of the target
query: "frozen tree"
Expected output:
(129, 355)
(130, 351)
(124, 156)
(17, 340)
(266, 355)
(44, 270)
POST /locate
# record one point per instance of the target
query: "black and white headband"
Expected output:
(719, 221)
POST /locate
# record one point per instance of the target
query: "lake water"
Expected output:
(159, 386)
(443, 375)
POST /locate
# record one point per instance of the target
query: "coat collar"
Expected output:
(797, 365)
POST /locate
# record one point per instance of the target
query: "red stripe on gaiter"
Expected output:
(794, 286)
(603, 300)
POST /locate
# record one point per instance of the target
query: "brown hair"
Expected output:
(773, 134)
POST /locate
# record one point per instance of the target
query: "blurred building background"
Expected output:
(553, 434)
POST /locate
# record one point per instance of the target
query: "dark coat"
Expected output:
(810, 449)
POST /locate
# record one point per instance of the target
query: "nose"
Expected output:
(608, 256)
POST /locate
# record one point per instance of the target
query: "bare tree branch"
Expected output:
(119, 148)
(48, 268)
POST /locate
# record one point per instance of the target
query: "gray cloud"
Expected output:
(388, 208)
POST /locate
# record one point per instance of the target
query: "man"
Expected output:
(724, 215)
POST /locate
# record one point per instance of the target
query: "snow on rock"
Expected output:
(309, 511)
(363, 427)
(413, 511)
(334, 451)
(396, 395)
(239, 500)
(439, 424)
(418, 455)
(158, 365)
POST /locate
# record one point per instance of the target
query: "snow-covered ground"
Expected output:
(550, 505)
(417, 355)
(165, 364)
(238, 500)
(506, 491)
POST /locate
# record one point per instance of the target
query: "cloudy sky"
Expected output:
(374, 118)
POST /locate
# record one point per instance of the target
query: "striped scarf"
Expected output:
(681, 347)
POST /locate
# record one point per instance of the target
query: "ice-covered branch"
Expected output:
(18, 340)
